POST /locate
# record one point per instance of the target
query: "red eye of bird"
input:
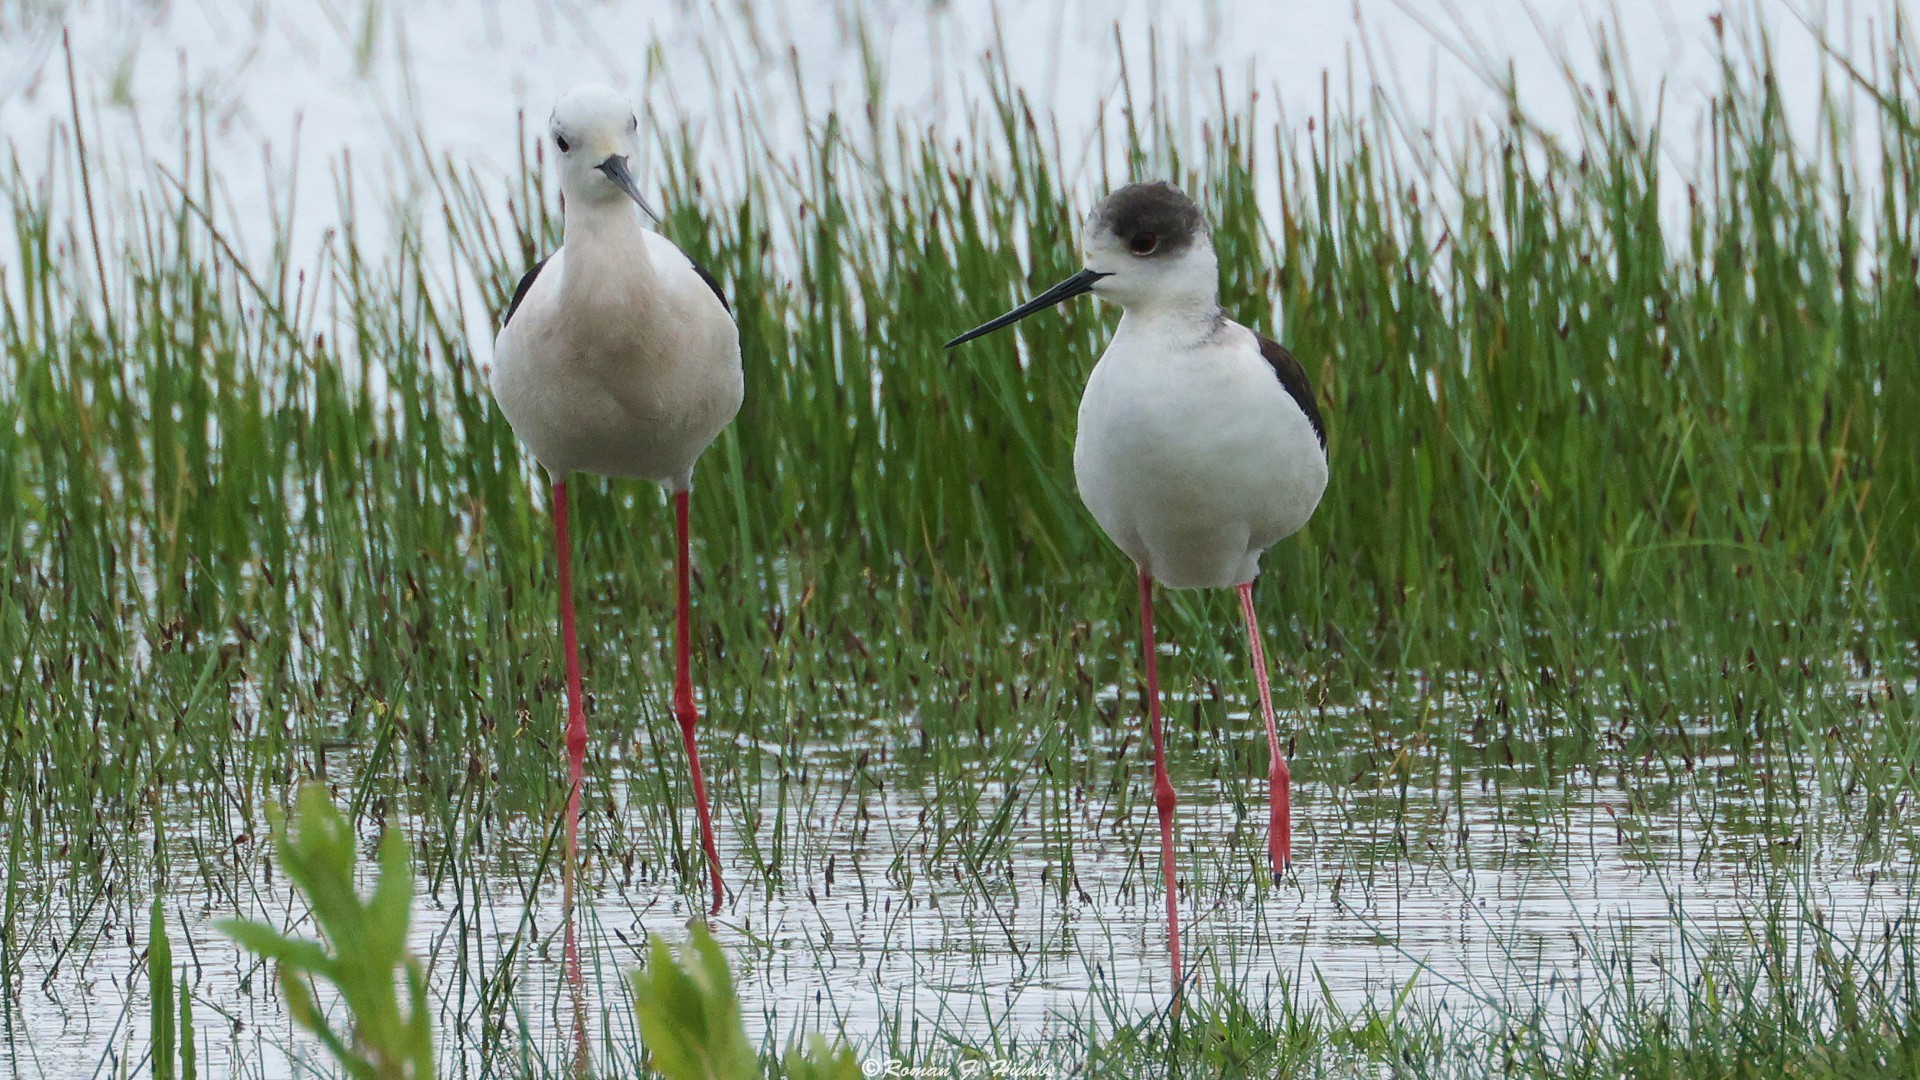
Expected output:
(1143, 243)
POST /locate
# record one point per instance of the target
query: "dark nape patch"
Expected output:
(1158, 208)
(520, 292)
(1294, 377)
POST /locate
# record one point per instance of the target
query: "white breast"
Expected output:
(1192, 456)
(620, 359)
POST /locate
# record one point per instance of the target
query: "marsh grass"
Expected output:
(1621, 503)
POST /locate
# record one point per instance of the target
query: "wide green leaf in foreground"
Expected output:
(690, 1015)
(363, 950)
(691, 1025)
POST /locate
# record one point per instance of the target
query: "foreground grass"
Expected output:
(1638, 506)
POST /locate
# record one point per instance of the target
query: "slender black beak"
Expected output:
(616, 169)
(1077, 285)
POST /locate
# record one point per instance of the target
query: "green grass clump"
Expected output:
(270, 514)
(1841, 1020)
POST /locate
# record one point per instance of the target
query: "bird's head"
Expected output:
(1150, 245)
(596, 133)
(1145, 246)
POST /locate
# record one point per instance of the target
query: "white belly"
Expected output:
(1194, 463)
(619, 372)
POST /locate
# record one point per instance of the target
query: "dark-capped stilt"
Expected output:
(1200, 446)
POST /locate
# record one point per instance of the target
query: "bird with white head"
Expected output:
(619, 356)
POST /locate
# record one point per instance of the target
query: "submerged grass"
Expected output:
(1622, 501)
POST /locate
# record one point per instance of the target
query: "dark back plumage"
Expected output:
(1293, 376)
(520, 292)
(712, 283)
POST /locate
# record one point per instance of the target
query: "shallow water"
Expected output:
(900, 905)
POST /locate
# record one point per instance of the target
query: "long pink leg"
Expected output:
(683, 706)
(1279, 779)
(1162, 787)
(576, 769)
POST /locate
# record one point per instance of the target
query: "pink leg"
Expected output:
(576, 769)
(683, 706)
(1279, 779)
(1162, 787)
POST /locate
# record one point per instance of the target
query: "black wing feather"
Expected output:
(712, 283)
(1294, 377)
(520, 292)
(526, 283)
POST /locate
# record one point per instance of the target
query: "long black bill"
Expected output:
(1077, 285)
(616, 169)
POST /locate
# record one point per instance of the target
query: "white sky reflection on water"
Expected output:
(379, 81)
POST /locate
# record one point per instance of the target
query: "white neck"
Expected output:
(1183, 320)
(609, 238)
(594, 219)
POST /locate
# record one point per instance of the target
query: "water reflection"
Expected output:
(1026, 914)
